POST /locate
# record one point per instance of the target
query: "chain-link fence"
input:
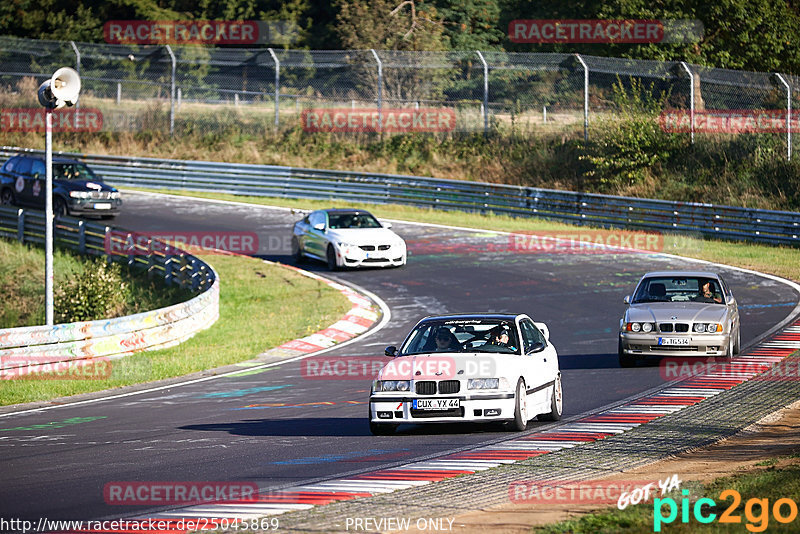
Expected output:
(186, 89)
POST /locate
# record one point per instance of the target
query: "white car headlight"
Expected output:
(483, 383)
(391, 385)
(647, 327)
(635, 327)
(80, 194)
(699, 327)
(115, 194)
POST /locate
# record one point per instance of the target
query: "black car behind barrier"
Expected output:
(77, 190)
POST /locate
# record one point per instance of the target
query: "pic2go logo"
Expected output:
(756, 511)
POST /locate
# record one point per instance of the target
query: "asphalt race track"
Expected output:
(226, 430)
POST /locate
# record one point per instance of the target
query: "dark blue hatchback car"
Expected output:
(77, 190)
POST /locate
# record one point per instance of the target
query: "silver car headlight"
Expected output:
(483, 383)
(707, 327)
(116, 194)
(634, 327)
(391, 385)
(647, 327)
(80, 194)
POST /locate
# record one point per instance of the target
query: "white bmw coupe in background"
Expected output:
(347, 238)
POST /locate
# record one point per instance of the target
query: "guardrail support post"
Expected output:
(81, 237)
(168, 269)
(485, 93)
(380, 90)
(691, 96)
(107, 237)
(172, 92)
(277, 85)
(195, 275)
(585, 97)
(21, 225)
(781, 79)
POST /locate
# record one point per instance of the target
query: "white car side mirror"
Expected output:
(627, 299)
(730, 301)
(387, 225)
(544, 329)
(320, 227)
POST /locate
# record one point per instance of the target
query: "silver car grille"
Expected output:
(673, 327)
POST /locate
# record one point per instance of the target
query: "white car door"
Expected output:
(539, 361)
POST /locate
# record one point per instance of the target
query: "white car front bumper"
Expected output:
(475, 407)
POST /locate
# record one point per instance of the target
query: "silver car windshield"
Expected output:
(471, 335)
(679, 289)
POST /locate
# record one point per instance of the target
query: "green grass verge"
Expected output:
(783, 261)
(22, 287)
(771, 484)
(261, 306)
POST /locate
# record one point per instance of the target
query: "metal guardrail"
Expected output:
(22, 349)
(719, 221)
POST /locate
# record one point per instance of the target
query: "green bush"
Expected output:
(624, 150)
(97, 292)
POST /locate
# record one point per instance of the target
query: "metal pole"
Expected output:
(172, 93)
(48, 218)
(691, 96)
(485, 93)
(585, 97)
(380, 90)
(788, 115)
(77, 65)
(277, 84)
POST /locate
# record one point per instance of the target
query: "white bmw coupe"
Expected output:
(347, 238)
(477, 368)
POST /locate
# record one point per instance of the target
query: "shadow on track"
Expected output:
(341, 426)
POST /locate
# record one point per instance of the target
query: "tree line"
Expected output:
(758, 35)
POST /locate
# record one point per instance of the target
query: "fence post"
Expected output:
(781, 79)
(585, 97)
(172, 92)
(77, 64)
(277, 84)
(380, 90)
(485, 93)
(691, 96)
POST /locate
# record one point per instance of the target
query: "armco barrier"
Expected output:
(110, 338)
(726, 222)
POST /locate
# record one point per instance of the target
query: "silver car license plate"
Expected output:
(673, 341)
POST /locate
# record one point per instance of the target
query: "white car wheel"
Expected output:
(521, 418)
(556, 402)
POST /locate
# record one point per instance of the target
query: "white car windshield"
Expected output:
(679, 289)
(463, 335)
(353, 219)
